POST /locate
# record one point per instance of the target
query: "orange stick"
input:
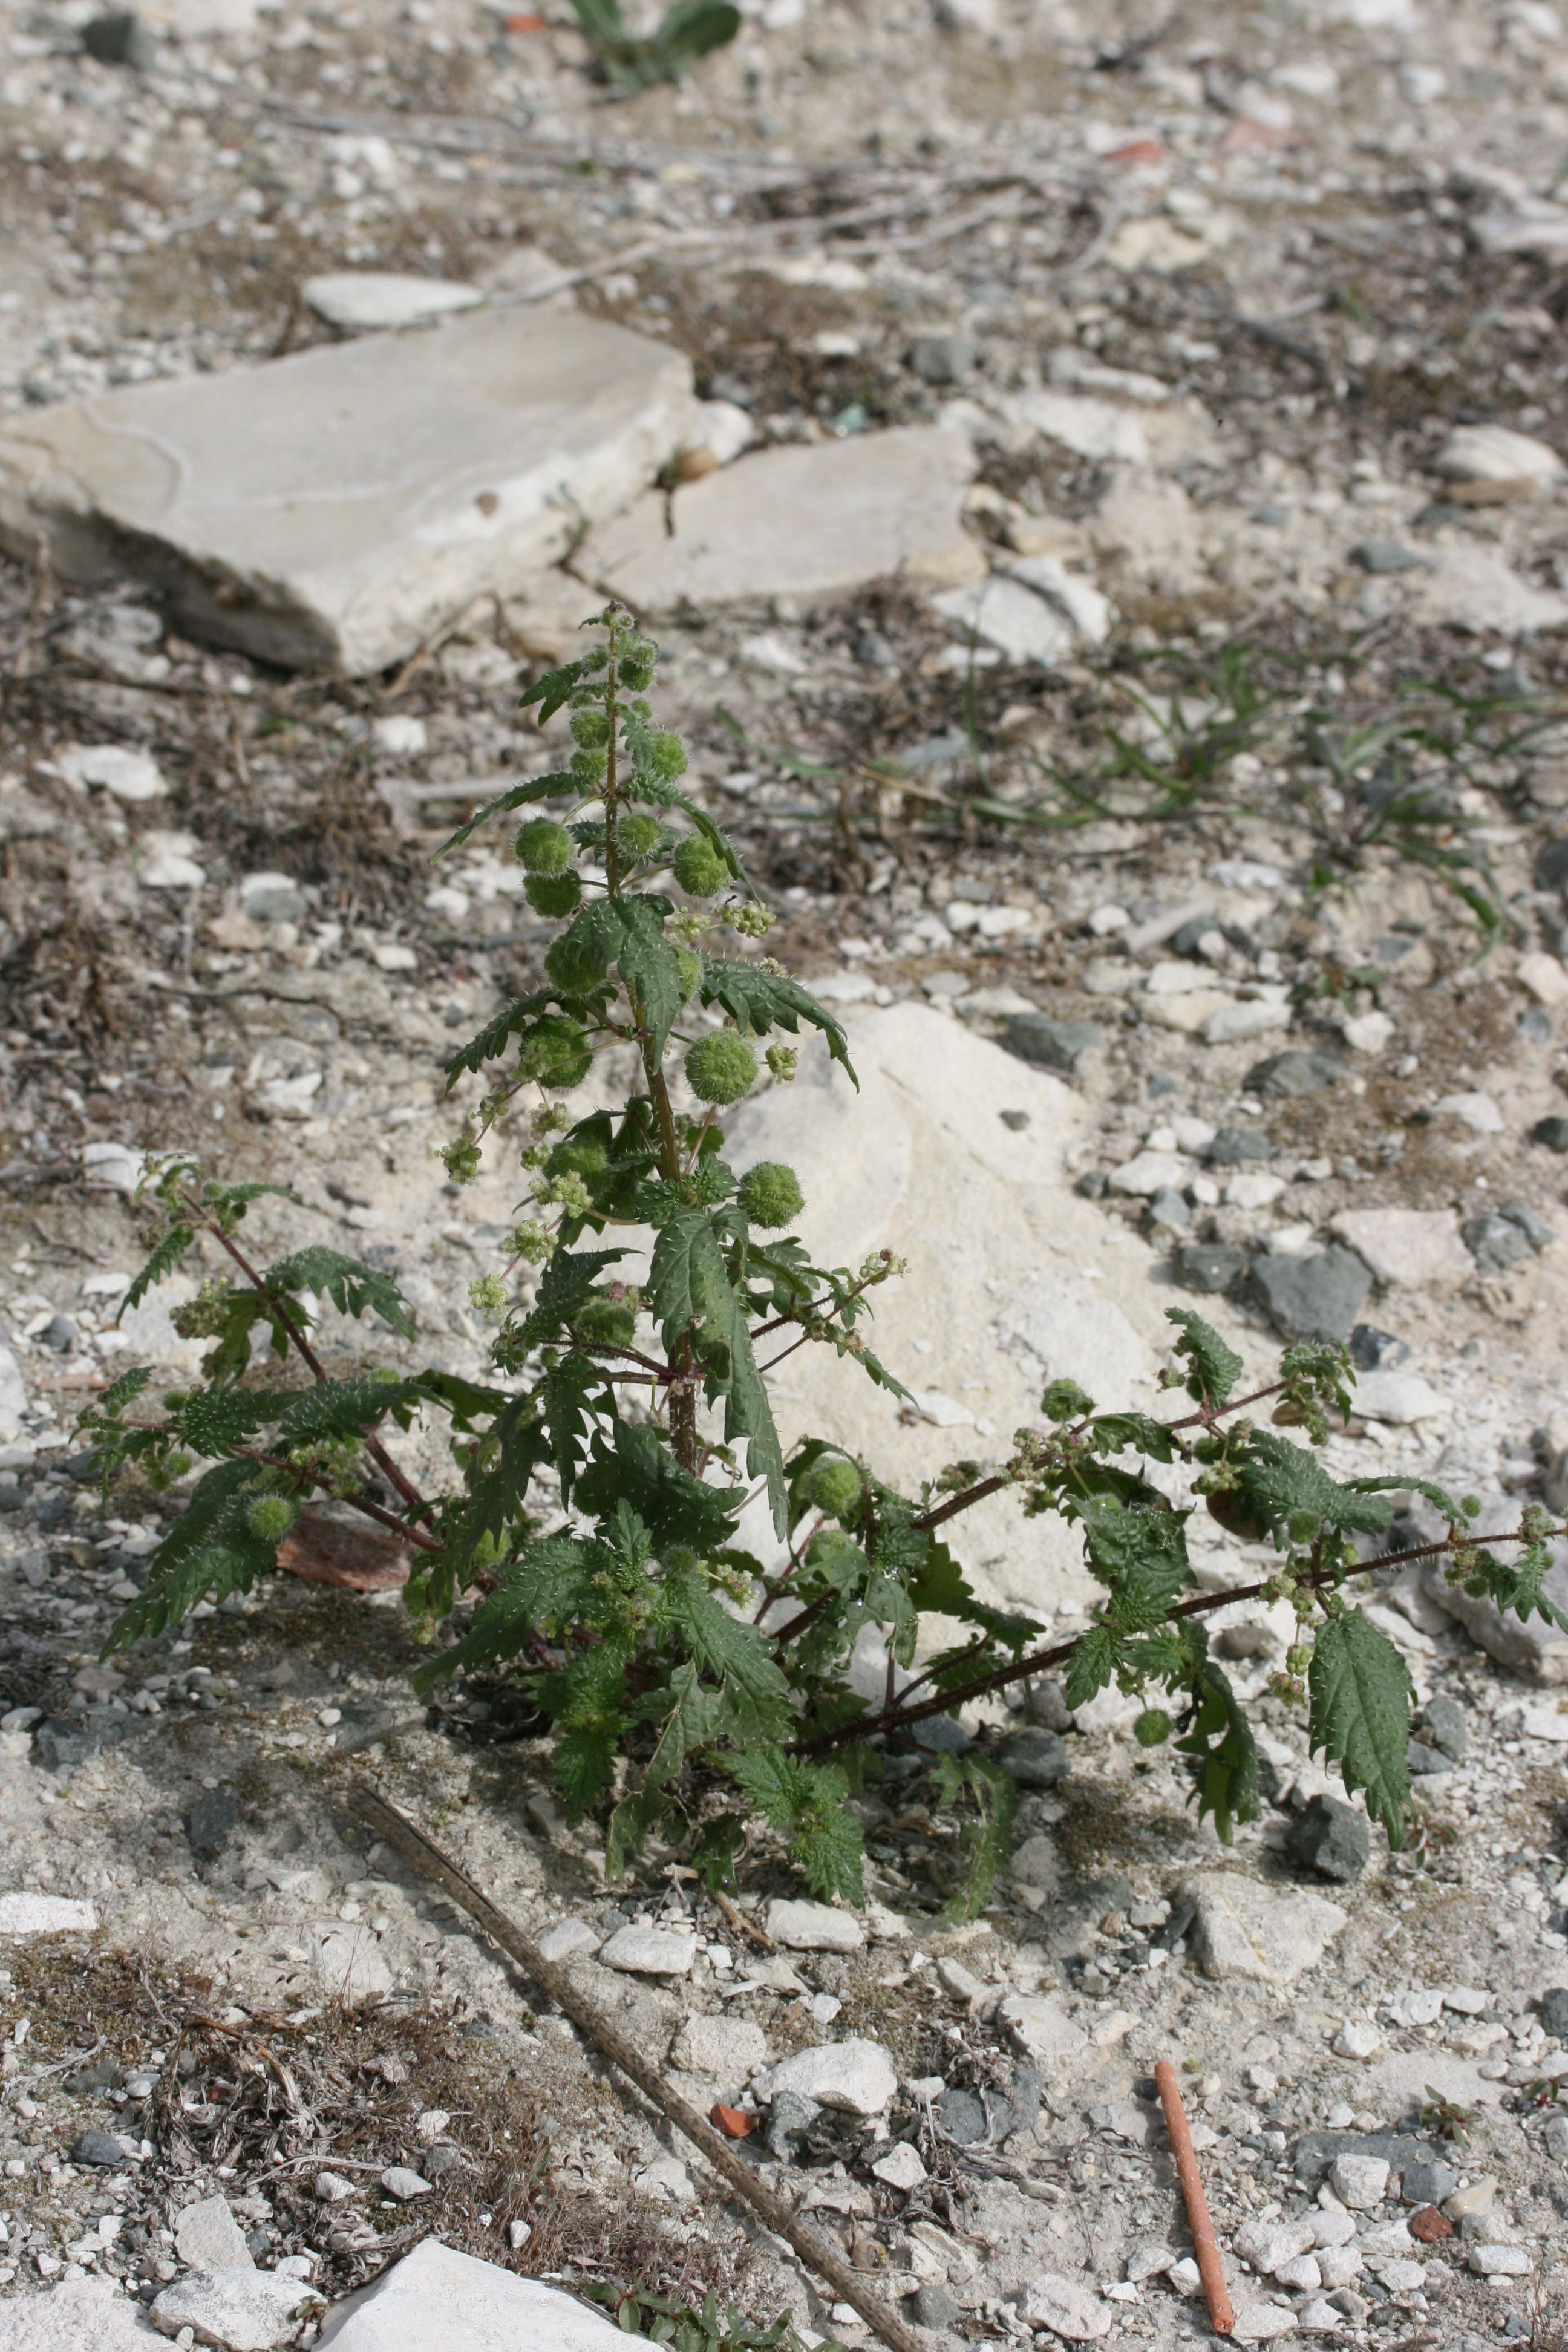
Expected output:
(1205, 2246)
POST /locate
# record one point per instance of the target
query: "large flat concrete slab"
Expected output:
(326, 511)
(813, 522)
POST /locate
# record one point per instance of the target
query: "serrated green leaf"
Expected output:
(987, 1839)
(1140, 1554)
(631, 1465)
(1280, 1482)
(345, 1408)
(166, 1258)
(1214, 1369)
(691, 1292)
(123, 1392)
(1360, 1695)
(545, 1584)
(1093, 1664)
(634, 1818)
(352, 1286)
(584, 1765)
(758, 1000)
(729, 1647)
(493, 1039)
(555, 686)
(210, 1550)
(564, 1287)
(1221, 1753)
(214, 1420)
(540, 788)
(651, 970)
(564, 1395)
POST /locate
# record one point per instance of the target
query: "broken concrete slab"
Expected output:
(328, 510)
(436, 2296)
(813, 522)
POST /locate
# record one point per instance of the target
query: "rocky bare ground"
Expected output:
(1124, 603)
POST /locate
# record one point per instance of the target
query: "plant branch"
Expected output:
(898, 1718)
(356, 1502)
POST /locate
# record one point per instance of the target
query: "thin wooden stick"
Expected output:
(810, 2244)
(1210, 2269)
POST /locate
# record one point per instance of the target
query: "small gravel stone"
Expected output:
(1427, 2184)
(1316, 1296)
(900, 2167)
(1294, 1073)
(1035, 1759)
(813, 1927)
(857, 2077)
(1499, 2261)
(400, 2181)
(243, 2311)
(1331, 1838)
(1358, 2181)
(650, 1952)
(565, 1940)
(96, 2147)
(1067, 2306)
(208, 2238)
(1357, 2038)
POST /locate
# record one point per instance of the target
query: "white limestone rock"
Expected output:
(435, 2297)
(814, 1928)
(46, 1915)
(357, 300)
(857, 2077)
(1269, 1934)
(755, 529)
(330, 509)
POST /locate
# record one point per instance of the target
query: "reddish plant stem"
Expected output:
(401, 1483)
(1205, 2244)
(899, 1718)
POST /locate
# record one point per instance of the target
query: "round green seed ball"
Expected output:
(639, 836)
(590, 727)
(721, 1068)
(553, 894)
(770, 1194)
(668, 755)
(1153, 1727)
(607, 1319)
(270, 1516)
(836, 1488)
(544, 846)
(699, 867)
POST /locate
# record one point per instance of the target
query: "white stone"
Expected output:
(1359, 2182)
(1068, 2308)
(46, 1915)
(362, 299)
(1088, 427)
(1357, 2038)
(1004, 613)
(1367, 1033)
(170, 869)
(650, 1952)
(403, 736)
(1266, 2244)
(564, 1939)
(1407, 1249)
(1253, 1188)
(1318, 2317)
(1398, 1398)
(1185, 2276)
(901, 2168)
(208, 2238)
(1149, 1172)
(1385, 2238)
(332, 2189)
(1270, 1934)
(1501, 2262)
(1471, 587)
(433, 2125)
(723, 428)
(113, 1167)
(1418, 2004)
(726, 2050)
(1041, 2030)
(1178, 979)
(331, 509)
(752, 531)
(1258, 2321)
(1248, 1016)
(1477, 1112)
(349, 1963)
(80, 2315)
(1302, 2274)
(1088, 612)
(241, 2311)
(814, 1926)
(1396, 2083)
(1340, 2265)
(125, 775)
(1402, 2278)
(1544, 976)
(667, 2180)
(857, 2077)
(1148, 2259)
(400, 2180)
(435, 2298)
(1490, 453)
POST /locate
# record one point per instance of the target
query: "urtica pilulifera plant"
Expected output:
(695, 1696)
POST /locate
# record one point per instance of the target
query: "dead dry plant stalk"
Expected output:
(810, 2244)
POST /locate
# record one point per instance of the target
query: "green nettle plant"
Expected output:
(689, 1693)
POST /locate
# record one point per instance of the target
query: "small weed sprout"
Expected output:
(695, 1697)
